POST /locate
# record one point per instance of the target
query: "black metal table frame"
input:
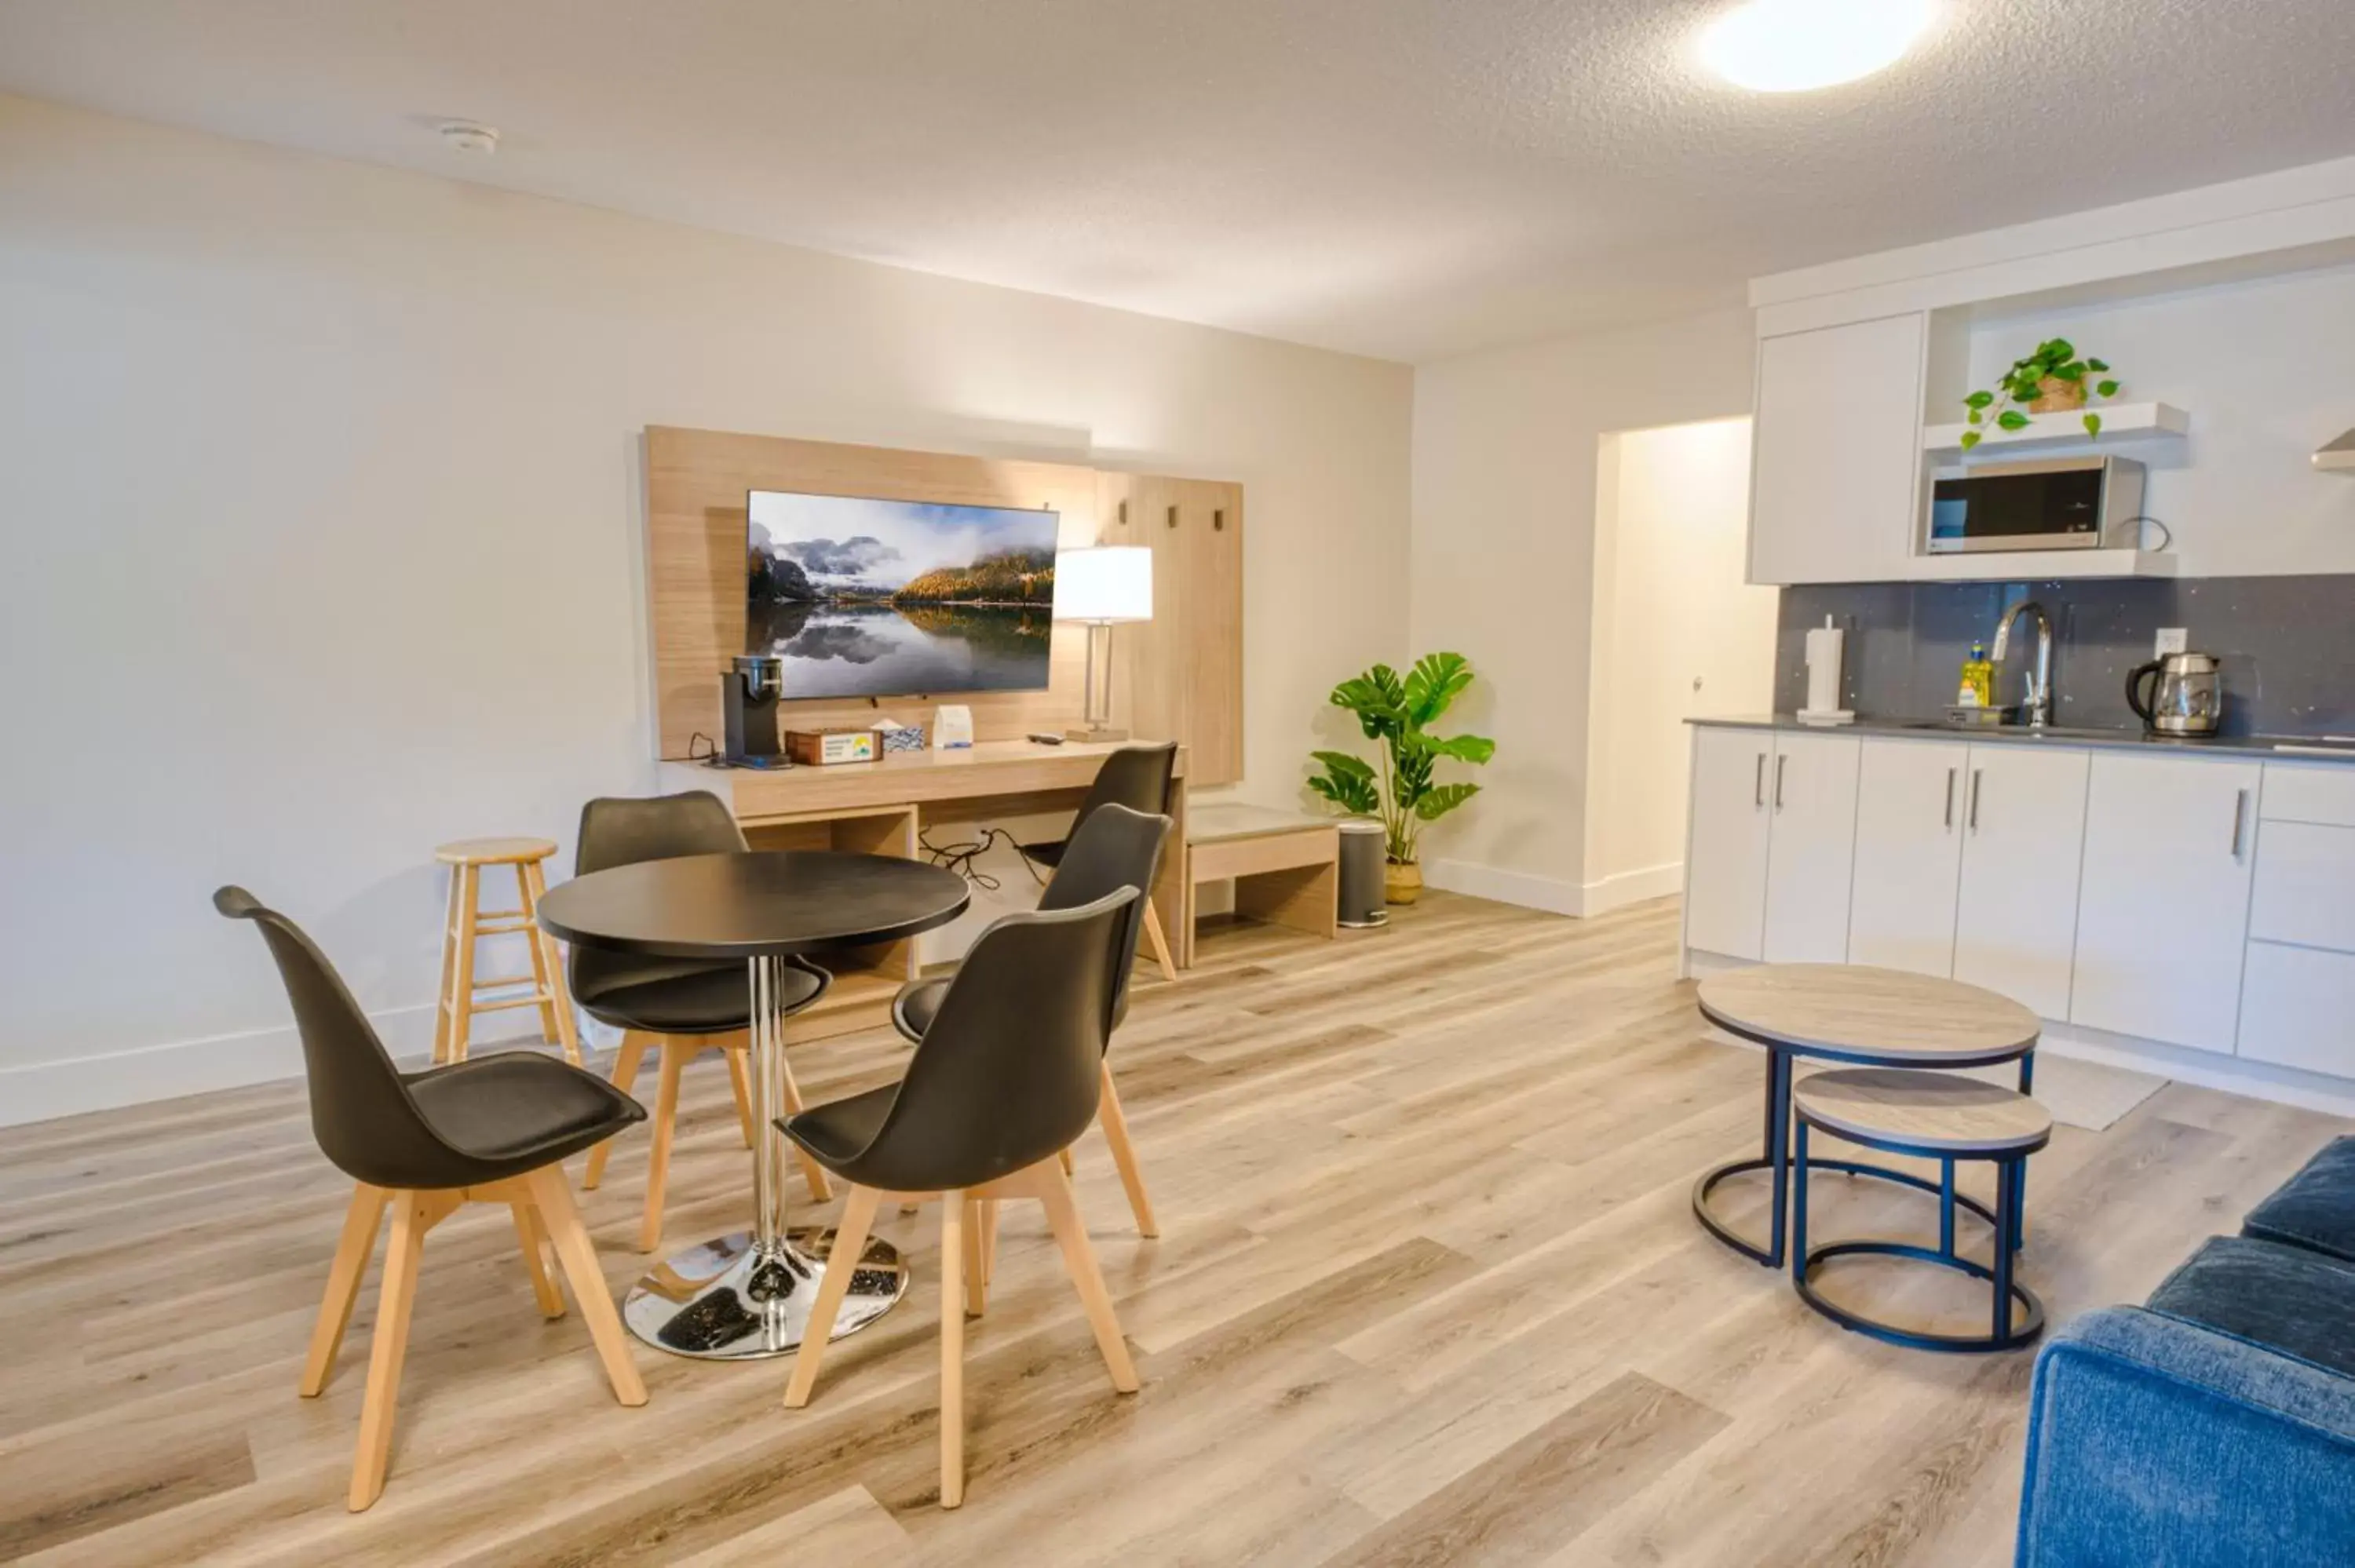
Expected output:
(1777, 1155)
(2006, 1332)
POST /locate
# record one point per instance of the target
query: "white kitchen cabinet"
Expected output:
(1811, 848)
(2023, 815)
(1835, 482)
(2163, 910)
(1909, 854)
(2296, 1007)
(1725, 855)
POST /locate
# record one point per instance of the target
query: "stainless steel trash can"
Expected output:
(1362, 897)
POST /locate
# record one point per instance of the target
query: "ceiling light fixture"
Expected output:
(1792, 46)
(468, 139)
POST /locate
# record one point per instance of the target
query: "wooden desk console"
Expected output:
(877, 808)
(1286, 867)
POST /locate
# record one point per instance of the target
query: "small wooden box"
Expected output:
(821, 748)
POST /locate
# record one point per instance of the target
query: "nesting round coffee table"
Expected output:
(1857, 1016)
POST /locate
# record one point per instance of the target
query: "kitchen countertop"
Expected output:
(2284, 748)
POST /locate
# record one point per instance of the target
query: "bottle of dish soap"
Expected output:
(1977, 689)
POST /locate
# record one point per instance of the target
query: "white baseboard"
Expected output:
(42, 1091)
(1550, 894)
(1504, 886)
(1626, 887)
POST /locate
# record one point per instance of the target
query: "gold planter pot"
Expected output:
(1402, 883)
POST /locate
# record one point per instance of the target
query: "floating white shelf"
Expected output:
(2041, 565)
(2120, 422)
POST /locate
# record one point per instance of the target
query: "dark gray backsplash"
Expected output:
(2287, 645)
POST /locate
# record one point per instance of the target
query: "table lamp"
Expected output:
(1103, 587)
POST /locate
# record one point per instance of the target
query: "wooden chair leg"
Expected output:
(740, 1082)
(1159, 940)
(953, 1266)
(674, 1059)
(361, 1222)
(1070, 1166)
(1123, 1157)
(976, 1273)
(411, 1219)
(625, 1078)
(461, 973)
(555, 1020)
(849, 1241)
(821, 1189)
(543, 1288)
(1080, 1260)
(988, 1239)
(449, 968)
(561, 1219)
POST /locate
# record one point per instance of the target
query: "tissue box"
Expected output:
(818, 748)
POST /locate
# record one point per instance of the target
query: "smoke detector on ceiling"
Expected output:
(469, 139)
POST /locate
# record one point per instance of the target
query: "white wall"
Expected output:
(1671, 609)
(1505, 448)
(322, 499)
(2267, 370)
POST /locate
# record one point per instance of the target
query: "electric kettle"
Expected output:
(2187, 696)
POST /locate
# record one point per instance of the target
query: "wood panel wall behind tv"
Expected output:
(695, 484)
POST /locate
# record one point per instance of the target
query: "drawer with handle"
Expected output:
(2305, 885)
(2320, 792)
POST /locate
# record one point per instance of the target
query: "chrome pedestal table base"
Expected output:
(747, 1295)
(730, 1299)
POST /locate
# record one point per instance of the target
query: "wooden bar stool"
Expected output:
(468, 923)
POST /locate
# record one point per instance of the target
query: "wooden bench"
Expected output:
(1284, 866)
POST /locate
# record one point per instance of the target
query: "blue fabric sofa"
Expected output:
(2214, 1425)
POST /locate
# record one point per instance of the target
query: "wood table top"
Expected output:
(1928, 1110)
(743, 905)
(1869, 1014)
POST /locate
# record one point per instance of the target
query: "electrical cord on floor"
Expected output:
(960, 857)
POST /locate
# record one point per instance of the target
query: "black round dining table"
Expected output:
(747, 1295)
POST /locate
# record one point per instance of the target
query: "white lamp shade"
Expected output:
(1104, 584)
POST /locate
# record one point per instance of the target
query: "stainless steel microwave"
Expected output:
(2059, 503)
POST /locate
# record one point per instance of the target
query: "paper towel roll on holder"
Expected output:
(1824, 648)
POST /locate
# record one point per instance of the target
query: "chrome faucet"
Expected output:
(2040, 682)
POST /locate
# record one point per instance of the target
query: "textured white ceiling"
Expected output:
(1407, 178)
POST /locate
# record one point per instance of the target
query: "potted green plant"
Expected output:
(1398, 712)
(2049, 381)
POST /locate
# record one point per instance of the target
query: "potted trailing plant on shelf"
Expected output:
(2052, 381)
(1397, 711)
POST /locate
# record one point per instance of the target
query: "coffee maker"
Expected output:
(748, 711)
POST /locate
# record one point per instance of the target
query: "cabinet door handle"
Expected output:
(2240, 816)
(1974, 800)
(1779, 760)
(1758, 783)
(1950, 800)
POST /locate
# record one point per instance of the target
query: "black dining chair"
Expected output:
(679, 1007)
(1136, 776)
(1115, 848)
(490, 1130)
(1004, 1080)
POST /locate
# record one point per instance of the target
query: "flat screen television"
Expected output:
(863, 598)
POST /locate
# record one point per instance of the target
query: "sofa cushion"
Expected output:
(2315, 1208)
(2285, 1299)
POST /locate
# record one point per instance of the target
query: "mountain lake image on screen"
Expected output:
(878, 599)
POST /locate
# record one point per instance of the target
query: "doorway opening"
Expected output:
(1680, 633)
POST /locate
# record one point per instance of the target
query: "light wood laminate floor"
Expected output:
(1427, 1292)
